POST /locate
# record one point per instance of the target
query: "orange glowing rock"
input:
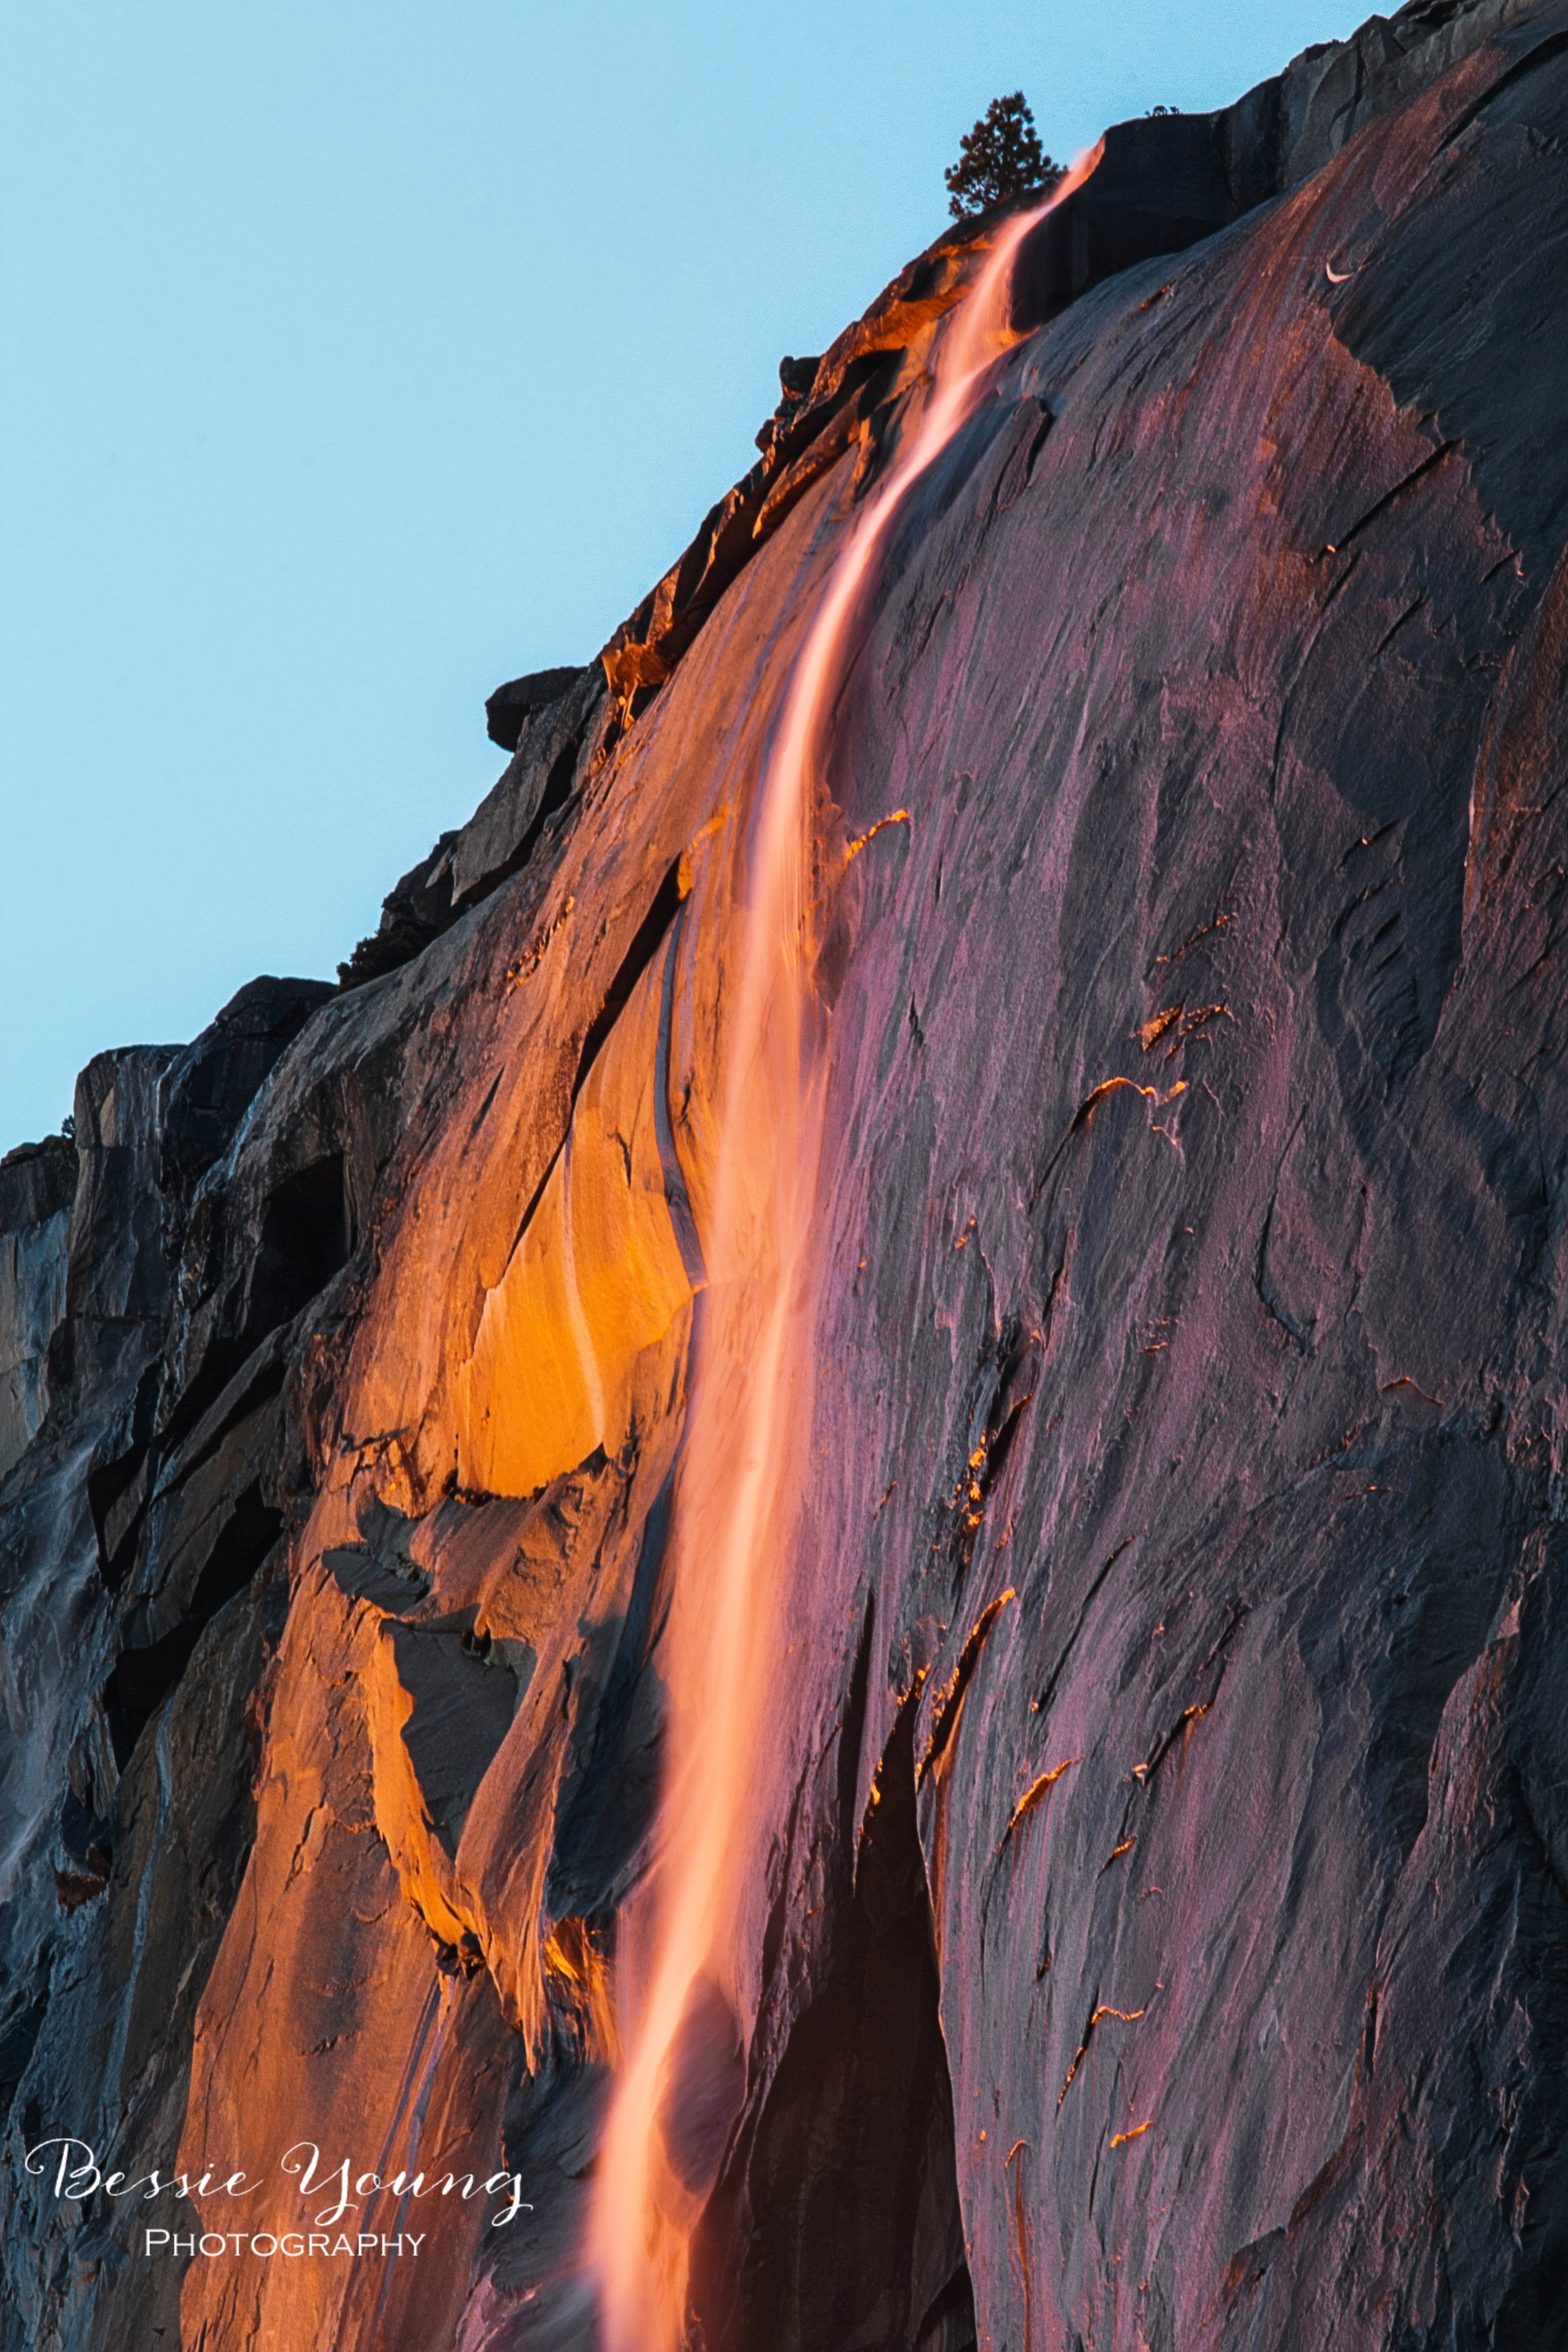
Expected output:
(687, 1411)
(597, 1277)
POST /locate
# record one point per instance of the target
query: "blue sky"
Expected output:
(356, 355)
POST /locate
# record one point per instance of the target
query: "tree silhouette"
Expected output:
(1001, 157)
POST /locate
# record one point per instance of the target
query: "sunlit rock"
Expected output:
(1139, 1915)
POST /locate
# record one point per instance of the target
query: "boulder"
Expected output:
(513, 706)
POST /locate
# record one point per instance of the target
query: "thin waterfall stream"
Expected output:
(747, 1427)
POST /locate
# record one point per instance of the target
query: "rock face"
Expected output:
(37, 1185)
(1158, 1928)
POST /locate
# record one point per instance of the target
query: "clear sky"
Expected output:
(358, 354)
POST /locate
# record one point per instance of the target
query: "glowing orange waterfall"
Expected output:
(747, 1426)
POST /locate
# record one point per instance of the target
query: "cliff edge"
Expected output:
(1156, 1929)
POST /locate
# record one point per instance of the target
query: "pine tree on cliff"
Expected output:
(1001, 157)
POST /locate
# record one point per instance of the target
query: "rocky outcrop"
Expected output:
(511, 707)
(552, 742)
(37, 1185)
(1155, 1930)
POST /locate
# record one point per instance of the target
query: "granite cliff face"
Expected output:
(1157, 1928)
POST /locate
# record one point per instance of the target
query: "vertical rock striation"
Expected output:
(1156, 1933)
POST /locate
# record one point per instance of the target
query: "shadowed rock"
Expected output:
(1155, 1928)
(38, 1187)
(209, 1086)
(511, 706)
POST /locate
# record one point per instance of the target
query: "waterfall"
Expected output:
(747, 1427)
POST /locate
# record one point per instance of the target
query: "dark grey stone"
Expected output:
(512, 706)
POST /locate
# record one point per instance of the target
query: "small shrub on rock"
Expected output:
(1001, 157)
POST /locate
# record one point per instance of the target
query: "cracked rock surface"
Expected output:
(1163, 1937)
